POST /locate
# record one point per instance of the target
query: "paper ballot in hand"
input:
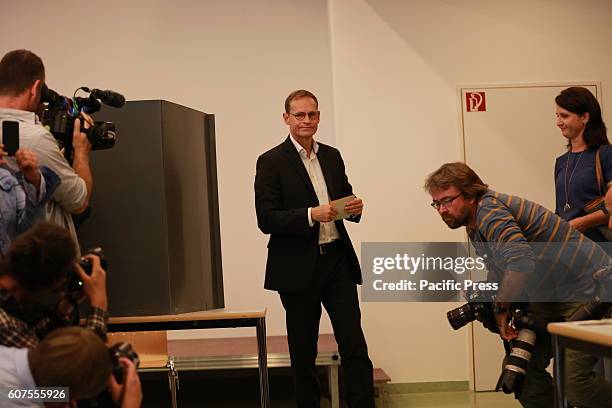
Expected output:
(339, 205)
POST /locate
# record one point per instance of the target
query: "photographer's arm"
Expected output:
(94, 286)
(513, 255)
(72, 191)
(129, 393)
(512, 286)
(82, 148)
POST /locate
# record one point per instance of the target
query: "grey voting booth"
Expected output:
(155, 210)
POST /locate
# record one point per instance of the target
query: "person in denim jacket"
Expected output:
(23, 195)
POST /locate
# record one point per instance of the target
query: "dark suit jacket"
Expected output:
(283, 193)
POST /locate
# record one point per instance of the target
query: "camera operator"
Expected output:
(32, 280)
(503, 226)
(23, 195)
(69, 357)
(22, 75)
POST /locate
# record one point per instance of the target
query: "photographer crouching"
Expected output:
(503, 230)
(34, 277)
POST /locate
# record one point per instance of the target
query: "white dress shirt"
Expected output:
(327, 231)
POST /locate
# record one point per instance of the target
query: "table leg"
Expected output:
(334, 389)
(173, 381)
(262, 358)
(559, 370)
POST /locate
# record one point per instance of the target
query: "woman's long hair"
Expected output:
(580, 100)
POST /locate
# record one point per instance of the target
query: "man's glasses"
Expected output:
(302, 115)
(445, 202)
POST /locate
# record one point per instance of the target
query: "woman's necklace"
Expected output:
(567, 183)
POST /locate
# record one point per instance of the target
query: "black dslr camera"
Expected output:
(74, 283)
(59, 112)
(480, 307)
(122, 350)
(105, 399)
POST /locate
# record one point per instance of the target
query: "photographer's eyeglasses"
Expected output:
(446, 202)
(302, 115)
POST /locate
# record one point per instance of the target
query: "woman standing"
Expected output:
(579, 118)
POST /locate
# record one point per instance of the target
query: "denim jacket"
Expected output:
(20, 205)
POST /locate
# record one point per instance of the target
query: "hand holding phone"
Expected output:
(10, 136)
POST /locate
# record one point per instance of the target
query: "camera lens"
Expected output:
(518, 361)
(461, 316)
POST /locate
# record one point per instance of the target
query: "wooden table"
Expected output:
(593, 336)
(211, 319)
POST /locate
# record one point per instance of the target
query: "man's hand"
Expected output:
(506, 331)
(354, 206)
(128, 394)
(80, 143)
(323, 213)
(27, 161)
(82, 147)
(578, 224)
(3, 154)
(94, 285)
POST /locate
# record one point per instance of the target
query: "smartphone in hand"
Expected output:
(10, 136)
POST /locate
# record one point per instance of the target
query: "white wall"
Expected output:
(237, 59)
(396, 66)
(385, 72)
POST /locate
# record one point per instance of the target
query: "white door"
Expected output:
(511, 140)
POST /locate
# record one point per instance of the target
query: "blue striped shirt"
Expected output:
(515, 234)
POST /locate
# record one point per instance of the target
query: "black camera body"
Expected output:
(74, 283)
(480, 307)
(105, 399)
(59, 113)
(117, 351)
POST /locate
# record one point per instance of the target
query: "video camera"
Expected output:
(59, 112)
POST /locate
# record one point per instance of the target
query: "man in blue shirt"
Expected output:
(510, 228)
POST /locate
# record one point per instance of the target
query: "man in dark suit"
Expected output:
(311, 260)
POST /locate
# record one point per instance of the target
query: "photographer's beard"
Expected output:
(461, 219)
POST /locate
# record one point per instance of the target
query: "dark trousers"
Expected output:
(333, 286)
(583, 387)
